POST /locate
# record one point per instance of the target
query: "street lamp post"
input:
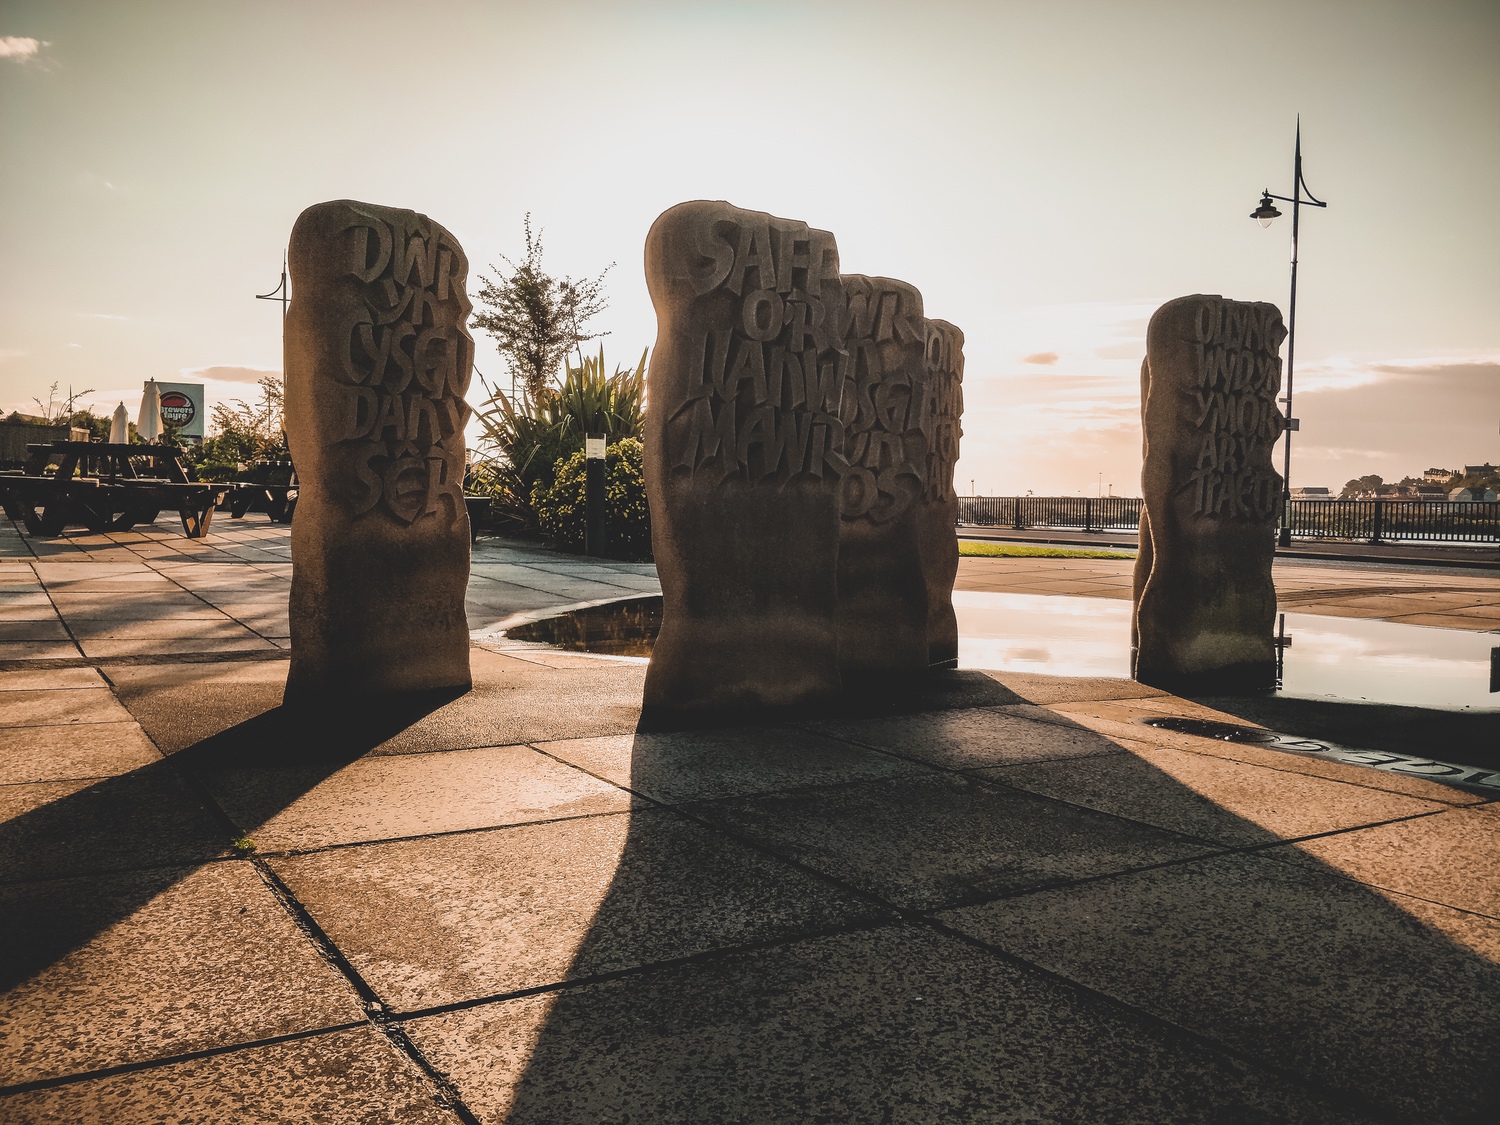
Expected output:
(1264, 214)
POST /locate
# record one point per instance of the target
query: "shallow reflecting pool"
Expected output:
(1328, 657)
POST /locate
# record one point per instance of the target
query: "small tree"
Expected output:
(242, 432)
(1361, 484)
(537, 319)
(57, 411)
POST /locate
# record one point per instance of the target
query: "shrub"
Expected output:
(561, 506)
(533, 434)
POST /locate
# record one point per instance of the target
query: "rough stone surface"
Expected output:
(744, 452)
(937, 513)
(352, 1077)
(439, 921)
(802, 437)
(1204, 602)
(1382, 998)
(882, 590)
(150, 964)
(378, 360)
(895, 1025)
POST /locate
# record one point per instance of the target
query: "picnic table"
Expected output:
(106, 487)
(268, 486)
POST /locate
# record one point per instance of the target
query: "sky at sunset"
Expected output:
(1046, 173)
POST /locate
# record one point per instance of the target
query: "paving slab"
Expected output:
(439, 921)
(1381, 996)
(62, 753)
(702, 765)
(147, 817)
(155, 964)
(352, 1077)
(1453, 858)
(288, 806)
(44, 679)
(936, 840)
(892, 1025)
(38, 650)
(61, 707)
(969, 739)
(1215, 799)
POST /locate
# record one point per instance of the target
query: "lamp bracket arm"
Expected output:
(1309, 202)
(1311, 198)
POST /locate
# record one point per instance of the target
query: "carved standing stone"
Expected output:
(937, 509)
(744, 455)
(882, 586)
(1204, 600)
(378, 359)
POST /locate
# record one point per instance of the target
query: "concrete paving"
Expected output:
(996, 897)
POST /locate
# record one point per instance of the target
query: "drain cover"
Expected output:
(1205, 728)
(1446, 772)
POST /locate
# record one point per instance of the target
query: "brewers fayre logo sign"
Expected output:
(182, 408)
(177, 408)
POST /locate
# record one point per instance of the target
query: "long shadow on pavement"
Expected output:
(156, 821)
(936, 922)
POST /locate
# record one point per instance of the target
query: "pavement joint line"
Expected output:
(445, 1093)
(226, 656)
(1336, 1095)
(924, 918)
(441, 834)
(61, 619)
(702, 956)
(375, 1008)
(171, 1060)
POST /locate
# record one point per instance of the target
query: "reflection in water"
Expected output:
(623, 628)
(1327, 658)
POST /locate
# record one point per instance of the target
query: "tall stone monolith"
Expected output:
(882, 586)
(1204, 600)
(744, 454)
(378, 359)
(937, 509)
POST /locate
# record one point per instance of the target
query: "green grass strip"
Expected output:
(988, 549)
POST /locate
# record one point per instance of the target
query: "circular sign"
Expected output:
(177, 408)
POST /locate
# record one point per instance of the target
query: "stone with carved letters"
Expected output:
(378, 360)
(882, 590)
(1204, 601)
(744, 455)
(937, 510)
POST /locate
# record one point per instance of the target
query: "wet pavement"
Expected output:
(998, 897)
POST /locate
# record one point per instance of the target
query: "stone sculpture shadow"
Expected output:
(959, 986)
(156, 821)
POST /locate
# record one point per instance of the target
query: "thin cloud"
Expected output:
(226, 373)
(21, 48)
(10, 353)
(103, 316)
(1043, 359)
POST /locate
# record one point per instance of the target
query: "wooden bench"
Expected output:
(106, 487)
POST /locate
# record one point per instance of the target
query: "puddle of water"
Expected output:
(624, 628)
(1328, 657)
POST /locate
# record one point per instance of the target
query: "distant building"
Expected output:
(1439, 476)
(1316, 493)
(1480, 470)
(1471, 495)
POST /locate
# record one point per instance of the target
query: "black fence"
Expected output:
(1368, 521)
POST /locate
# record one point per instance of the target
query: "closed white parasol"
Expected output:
(119, 426)
(148, 425)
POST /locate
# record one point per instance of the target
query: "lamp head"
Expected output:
(1266, 211)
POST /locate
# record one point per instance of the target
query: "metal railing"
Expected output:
(1086, 513)
(1367, 521)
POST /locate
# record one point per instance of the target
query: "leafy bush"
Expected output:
(562, 510)
(532, 435)
(242, 433)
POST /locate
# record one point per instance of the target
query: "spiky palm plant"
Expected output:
(531, 434)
